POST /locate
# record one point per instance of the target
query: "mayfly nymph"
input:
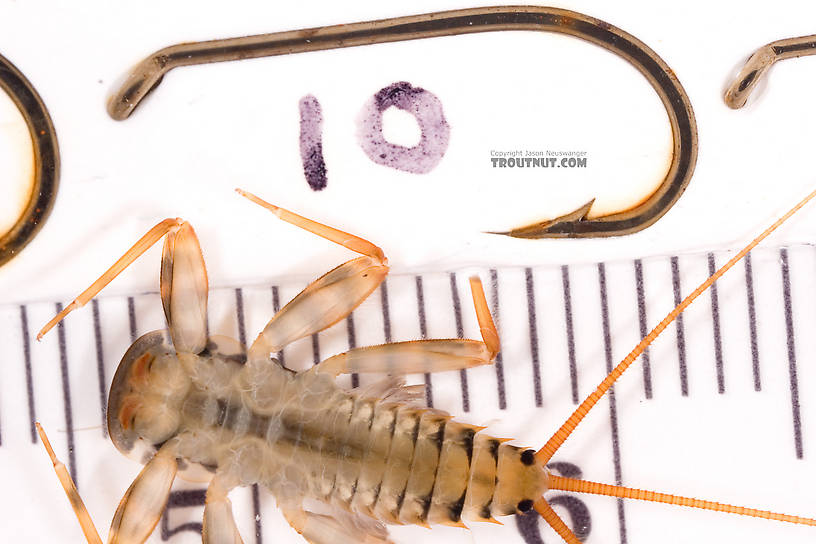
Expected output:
(208, 409)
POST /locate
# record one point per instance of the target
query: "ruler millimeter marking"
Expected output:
(561, 329)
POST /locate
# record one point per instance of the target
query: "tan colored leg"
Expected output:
(350, 241)
(183, 283)
(141, 508)
(219, 523)
(85, 521)
(144, 243)
(328, 299)
(184, 289)
(414, 357)
(486, 326)
(422, 356)
(323, 529)
(323, 303)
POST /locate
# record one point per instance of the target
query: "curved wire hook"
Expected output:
(760, 61)
(46, 160)
(148, 74)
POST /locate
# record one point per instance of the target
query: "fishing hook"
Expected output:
(148, 74)
(760, 61)
(46, 161)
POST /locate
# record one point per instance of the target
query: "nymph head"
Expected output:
(144, 406)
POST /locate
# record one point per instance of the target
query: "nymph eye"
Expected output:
(525, 505)
(140, 371)
(127, 411)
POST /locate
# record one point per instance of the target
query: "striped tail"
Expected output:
(554, 443)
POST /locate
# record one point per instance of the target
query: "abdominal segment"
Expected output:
(398, 463)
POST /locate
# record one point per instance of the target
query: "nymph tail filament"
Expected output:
(554, 443)
(594, 488)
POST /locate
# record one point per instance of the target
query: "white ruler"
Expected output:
(719, 408)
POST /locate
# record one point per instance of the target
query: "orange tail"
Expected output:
(555, 442)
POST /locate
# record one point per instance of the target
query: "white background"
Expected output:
(208, 129)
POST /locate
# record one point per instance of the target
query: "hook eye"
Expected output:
(761, 61)
(30, 159)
